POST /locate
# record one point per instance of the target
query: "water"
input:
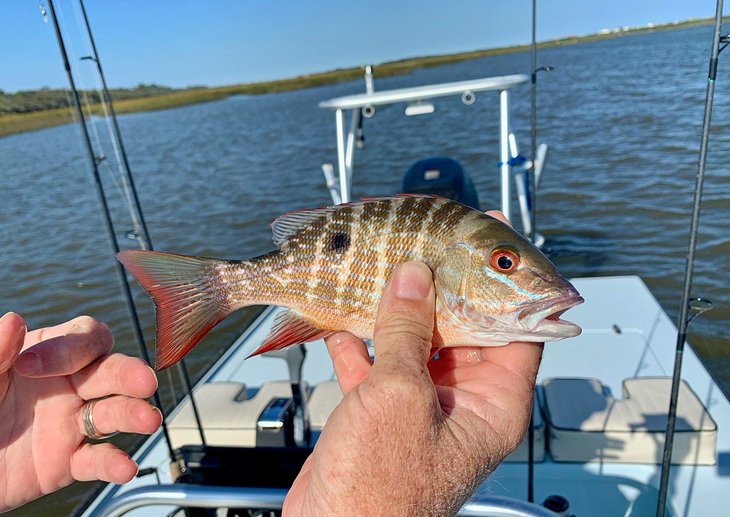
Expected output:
(622, 116)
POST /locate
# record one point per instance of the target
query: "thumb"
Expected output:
(404, 325)
(12, 335)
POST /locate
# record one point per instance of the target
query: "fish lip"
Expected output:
(536, 315)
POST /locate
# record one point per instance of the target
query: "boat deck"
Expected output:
(626, 334)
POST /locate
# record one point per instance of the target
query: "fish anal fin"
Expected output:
(289, 329)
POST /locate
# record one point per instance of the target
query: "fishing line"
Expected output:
(120, 183)
(124, 189)
(99, 154)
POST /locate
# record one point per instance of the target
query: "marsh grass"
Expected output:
(20, 122)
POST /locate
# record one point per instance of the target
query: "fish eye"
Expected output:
(503, 260)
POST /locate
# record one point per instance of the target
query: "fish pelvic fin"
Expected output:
(289, 329)
(189, 298)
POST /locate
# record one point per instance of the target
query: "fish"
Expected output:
(330, 265)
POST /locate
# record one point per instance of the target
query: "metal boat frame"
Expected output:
(418, 97)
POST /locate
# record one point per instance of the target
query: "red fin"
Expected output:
(187, 296)
(289, 329)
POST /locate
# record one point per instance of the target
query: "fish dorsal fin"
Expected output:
(289, 329)
(290, 223)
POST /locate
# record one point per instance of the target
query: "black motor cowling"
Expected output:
(442, 176)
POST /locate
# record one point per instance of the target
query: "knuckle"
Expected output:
(400, 388)
(102, 415)
(388, 397)
(403, 325)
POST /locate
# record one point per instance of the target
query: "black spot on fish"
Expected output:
(339, 242)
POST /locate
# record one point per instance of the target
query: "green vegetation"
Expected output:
(31, 110)
(48, 99)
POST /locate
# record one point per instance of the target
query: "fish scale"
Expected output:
(331, 265)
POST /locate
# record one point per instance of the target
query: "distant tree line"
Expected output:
(47, 98)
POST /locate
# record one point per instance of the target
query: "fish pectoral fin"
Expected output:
(452, 275)
(289, 329)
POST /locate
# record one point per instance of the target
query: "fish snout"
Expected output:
(542, 317)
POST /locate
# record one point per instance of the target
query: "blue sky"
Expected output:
(186, 42)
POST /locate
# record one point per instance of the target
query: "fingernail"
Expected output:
(158, 413)
(28, 363)
(154, 376)
(11, 315)
(411, 281)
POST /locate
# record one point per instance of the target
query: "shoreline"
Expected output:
(14, 123)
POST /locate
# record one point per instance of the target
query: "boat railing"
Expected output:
(199, 496)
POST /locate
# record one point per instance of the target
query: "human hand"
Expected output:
(414, 436)
(42, 394)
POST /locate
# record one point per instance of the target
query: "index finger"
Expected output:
(64, 349)
(350, 359)
(519, 357)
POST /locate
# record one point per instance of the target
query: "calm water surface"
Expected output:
(622, 117)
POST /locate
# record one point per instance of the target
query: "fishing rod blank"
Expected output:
(141, 233)
(684, 317)
(106, 216)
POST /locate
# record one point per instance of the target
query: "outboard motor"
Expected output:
(442, 176)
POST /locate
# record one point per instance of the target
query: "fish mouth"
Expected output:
(543, 318)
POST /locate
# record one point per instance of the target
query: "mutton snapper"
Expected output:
(331, 264)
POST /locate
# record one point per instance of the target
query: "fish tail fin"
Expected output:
(189, 298)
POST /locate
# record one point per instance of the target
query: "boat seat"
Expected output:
(229, 417)
(585, 423)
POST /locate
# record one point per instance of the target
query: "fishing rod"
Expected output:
(533, 130)
(140, 231)
(533, 231)
(684, 314)
(106, 215)
(533, 236)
